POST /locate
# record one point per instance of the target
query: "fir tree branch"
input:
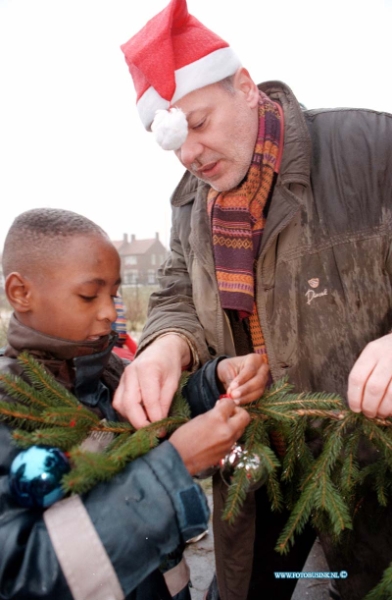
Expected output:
(383, 591)
(20, 415)
(58, 437)
(20, 390)
(236, 495)
(53, 392)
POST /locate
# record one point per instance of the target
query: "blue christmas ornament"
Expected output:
(35, 476)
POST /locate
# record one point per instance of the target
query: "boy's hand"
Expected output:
(204, 440)
(244, 377)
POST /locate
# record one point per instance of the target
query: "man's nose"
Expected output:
(189, 152)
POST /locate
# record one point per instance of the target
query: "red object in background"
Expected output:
(128, 350)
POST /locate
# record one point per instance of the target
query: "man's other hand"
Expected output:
(204, 440)
(370, 380)
(148, 384)
(244, 377)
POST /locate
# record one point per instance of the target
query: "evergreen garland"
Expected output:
(322, 486)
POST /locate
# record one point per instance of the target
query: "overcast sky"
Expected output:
(70, 136)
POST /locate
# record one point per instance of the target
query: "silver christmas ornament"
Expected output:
(238, 458)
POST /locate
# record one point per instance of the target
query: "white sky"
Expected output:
(70, 136)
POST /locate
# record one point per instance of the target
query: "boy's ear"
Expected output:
(19, 292)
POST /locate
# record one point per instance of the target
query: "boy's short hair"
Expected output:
(38, 235)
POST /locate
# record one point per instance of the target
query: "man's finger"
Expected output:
(150, 391)
(133, 411)
(375, 389)
(168, 391)
(385, 408)
(358, 377)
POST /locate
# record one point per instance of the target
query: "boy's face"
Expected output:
(74, 300)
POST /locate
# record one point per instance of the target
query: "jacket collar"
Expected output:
(295, 166)
(20, 338)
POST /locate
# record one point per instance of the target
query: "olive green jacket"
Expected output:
(323, 273)
(325, 265)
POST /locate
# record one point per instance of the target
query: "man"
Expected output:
(281, 245)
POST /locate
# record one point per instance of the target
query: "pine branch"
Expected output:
(323, 488)
(236, 495)
(59, 437)
(20, 390)
(16, 414)
(52, 391)
(383, 591)
(92, 468)
(67, 416)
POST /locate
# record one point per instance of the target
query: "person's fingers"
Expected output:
(169, 388)
(375, 389)
(252, 389)
(151, 384)
(227, 369)
(357, 379)
(249, 369)
(385, 407)
(129, 388)
(370, 377)
(226, 407)
(240, 420)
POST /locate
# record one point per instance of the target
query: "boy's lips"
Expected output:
(98, 336)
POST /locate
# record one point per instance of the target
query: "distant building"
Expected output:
(1, 274)
(140, 259)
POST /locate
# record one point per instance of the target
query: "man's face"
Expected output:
(222, 131)
(74, 301)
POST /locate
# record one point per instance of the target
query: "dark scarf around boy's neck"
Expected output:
(79, 366)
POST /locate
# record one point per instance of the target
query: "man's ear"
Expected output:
(19, 292)
(244, 82)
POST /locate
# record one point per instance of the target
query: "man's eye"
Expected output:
(87, 298)
(199, 125)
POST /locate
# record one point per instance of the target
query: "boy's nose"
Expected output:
(108, 311)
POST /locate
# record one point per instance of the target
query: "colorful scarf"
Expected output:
(237, 222)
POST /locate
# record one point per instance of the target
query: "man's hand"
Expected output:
(370, 381)
(204, 440)
(244, 377)
(148, 384)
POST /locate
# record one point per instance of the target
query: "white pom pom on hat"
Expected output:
(171, 56)
(170, 128)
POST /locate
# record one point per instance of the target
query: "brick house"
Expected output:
(1, 274)
(140, 259)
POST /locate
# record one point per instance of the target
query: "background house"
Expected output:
(1, 274)
(140, 259)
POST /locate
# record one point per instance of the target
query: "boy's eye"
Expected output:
(87, 298)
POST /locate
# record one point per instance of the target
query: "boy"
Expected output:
(62, 274)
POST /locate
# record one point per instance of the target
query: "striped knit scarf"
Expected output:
(237, 223)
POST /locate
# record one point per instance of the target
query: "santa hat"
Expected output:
(173, 55)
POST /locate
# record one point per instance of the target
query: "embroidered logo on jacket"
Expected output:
(311, 294)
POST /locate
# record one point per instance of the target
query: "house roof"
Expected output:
(136, 246)
(117, 244)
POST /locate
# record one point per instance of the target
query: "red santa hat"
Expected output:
(173, 55)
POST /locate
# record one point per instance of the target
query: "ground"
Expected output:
(200, 557)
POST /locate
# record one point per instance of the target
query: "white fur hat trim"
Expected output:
(170, 128)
